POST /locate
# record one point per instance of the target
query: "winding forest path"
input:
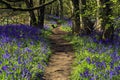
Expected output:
(59, 66)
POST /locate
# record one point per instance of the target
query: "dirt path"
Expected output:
(59, 66)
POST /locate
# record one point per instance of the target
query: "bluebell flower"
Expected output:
(19, 60)
(70, 23)
(88, 60)
(27, 50)
(31, 58)
(5, 39)
(40, 66)
(19, 44)
(5, 68)
(26, 73)
(13, 68)
(32, 43)
(44, 50)
(86, 74)
(92, 78)
(100, 65)
(117, 70)
(95, 40)
(104, 64)
(111, 74)
(0, 62)
(114, 56)
(112, 64)
(6, 56)
(25, 62)
(0, 71)
(46, 27)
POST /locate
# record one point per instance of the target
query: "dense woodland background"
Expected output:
(94, 27)
(86, 15)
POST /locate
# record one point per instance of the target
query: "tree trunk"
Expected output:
(76, 19)
(61, 8)
(57, 11)
(41, 14)
(107, 25)
(86, 22)
(33, 21)
(81, 22)
(97, 24)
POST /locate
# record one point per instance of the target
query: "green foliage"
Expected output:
(66, 28)
(90, 8)
(80, 65)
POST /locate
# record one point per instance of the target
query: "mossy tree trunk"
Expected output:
(107, 22)
(87, 24)
(61, 8)
(97, 24)
(33, 20)
(41, 13)
(76, 18)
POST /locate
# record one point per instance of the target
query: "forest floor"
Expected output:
(60, 62)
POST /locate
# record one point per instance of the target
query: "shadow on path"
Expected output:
(59, 66)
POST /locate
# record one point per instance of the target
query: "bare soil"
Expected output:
(60, 62)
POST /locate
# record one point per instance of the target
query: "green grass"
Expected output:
(23, 57)
(81, 65)
(66, 28)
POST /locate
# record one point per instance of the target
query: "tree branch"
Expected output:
(14, 0)
(5, 3)
(28, 9)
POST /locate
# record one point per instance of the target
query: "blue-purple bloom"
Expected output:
(40, 66)
(0, 62)
(0, 72)
(112, 64)
(5, 68)
(104, 64)
(100, 65)
(117, 70)
(19, 60)
(111, 74)
(6, 55)
(86, 74)
(88, 60)
(16, 40)
(27, 50)
(26, 73)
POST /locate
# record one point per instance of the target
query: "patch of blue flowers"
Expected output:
(96, 59)
(23, 52)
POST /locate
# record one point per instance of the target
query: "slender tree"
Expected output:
(61, 8)
(107, 22)
(87, 24)
(29, 4)
(76, 18)
(30, 8)
(41, 13)
(97, 24)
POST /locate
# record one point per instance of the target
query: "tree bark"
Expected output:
(33, 21)
(97, 24)
(76, 18)
(41, 12)
(81, 22)
(86, 22)
(107, 25)
(57, 11)
(8, 6)
(61, 8)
